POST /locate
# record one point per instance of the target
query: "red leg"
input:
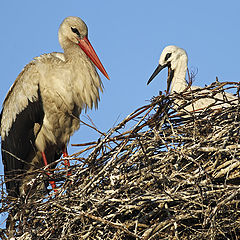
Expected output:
(66, 161)
(53, 184)
(65, 154)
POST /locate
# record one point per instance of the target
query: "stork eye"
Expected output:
(75, 31)
(168, 55)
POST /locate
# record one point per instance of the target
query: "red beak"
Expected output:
(86, 46)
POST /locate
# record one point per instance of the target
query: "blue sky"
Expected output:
(128, 37)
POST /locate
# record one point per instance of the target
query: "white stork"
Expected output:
(41, 110)
(176, 60)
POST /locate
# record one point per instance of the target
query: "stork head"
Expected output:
(73, 30)
(175, 59)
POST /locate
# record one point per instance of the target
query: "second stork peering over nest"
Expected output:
(176, 60)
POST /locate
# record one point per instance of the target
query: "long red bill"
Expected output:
(86, 46)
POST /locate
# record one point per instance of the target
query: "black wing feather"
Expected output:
(18, 146)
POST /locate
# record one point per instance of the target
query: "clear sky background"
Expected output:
(128, 37)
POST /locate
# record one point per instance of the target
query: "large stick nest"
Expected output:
(156, 175)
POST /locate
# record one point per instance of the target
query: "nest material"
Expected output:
(167, 177)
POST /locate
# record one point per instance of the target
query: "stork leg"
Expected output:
(53, 184)
(66, 161)
(65, 154)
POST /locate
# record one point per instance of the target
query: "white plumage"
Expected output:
(41, 110)
(176, 60)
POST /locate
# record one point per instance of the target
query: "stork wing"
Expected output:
(22, 113)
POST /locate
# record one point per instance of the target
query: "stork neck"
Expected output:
(73, 52)
(179, 79)
(84, 79)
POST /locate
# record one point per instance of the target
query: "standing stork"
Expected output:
(41, 110)
(176, 60)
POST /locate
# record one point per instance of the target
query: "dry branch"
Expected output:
(156, 175)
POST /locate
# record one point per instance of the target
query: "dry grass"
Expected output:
(155, 175)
